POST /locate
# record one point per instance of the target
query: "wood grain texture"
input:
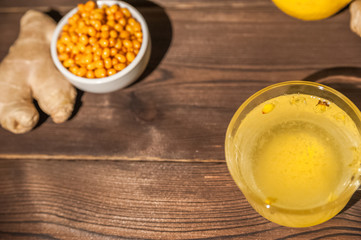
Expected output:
(50, 199)
(147, 162)
(206, 61)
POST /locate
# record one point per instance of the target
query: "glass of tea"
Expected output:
(293, 149)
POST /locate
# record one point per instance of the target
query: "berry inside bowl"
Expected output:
(90, 42)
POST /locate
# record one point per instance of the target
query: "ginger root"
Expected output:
(355, 22)
(28, 72)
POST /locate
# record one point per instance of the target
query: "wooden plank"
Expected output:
(50, 199)
(205, 63)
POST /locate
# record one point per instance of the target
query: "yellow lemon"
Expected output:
(311, 9)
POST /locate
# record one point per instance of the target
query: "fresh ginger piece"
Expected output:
(355, 22)
(28, 72)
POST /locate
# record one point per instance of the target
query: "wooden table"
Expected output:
(147, 162)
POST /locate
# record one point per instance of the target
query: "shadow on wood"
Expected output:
(160, 29)
(346, 80)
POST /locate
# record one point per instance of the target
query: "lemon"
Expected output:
(310, 10)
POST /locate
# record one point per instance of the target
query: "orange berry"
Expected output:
(104, 28)
(104, 34)
(127, 43)
(63, 56)
(126, 12)
(99, 64)
(130, 56)
(118, 45)
(113, 52)
(90, 74)
(124, 34)
(90, 5)
(119, 66)
(113, 34)
(81, 72)
(91, 66)
(91, 31)
(115, 61)
(136, 44)
(104, 42)
(108, 63)
(100, 73)
(68, 62)
(121, 58)
(83, 39)
(111, 42)
(118, 27)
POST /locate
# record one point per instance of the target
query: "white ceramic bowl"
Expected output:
(119, 80)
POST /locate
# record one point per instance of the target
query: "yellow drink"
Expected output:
(295, 158)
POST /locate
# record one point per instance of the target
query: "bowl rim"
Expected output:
(94, 81)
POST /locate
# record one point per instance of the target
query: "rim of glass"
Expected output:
(346, 193)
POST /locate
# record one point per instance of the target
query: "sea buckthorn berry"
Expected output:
(75, 50)
(104, 28)
(99, 64)
(63, 56)
(90, 5)
(81, 72)
(100, 73)
(97, 25)
(74, 38)
(73, 69)
(137, 27)
(118, 27)
(83, 39)
(123, 21)
(118, 45)
(113, 52)
(268, 108)
(104, 34)
(91, 31)
(111, 71)
(138, 35)
(91, 66)
(124, 34)
(113, 34)
(99, 52)
(88, 58)
(105, 53)
(121, 58)
(131, 21)
(111, 42)
(111, 23)
(114, 8)
(90, 74)
(115, 61)
(118, 15)
(60, 47)
(81, 47)
(81, 7)
(136, 44)
(108, 63)
(128, 44)
(126, 12)
(129, 28)
(104, 42)
(119, 66)
(68, 62)
(99, 41)
(130, 56)
(96, 58)
(92, 40)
